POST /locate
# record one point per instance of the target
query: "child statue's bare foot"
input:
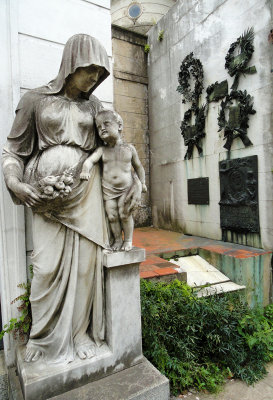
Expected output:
(127, 245)
(85, 176)
(32, 353)
(117, 245)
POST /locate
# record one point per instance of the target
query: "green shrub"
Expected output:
(198, 342)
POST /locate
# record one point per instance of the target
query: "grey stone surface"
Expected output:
(4, 387)
(141, 382)
(118, 258)
(15, 392)
(3, 378)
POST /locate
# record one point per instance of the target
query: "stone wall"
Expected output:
(207, 29)
(33, 34)
(151, 12)
(131, 101)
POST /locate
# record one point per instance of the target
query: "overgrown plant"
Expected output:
(199, 342)
(147, 48)
(20, 327)
(160, 36)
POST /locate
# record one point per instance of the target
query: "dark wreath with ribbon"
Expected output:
(190, 66)
(237, 124)
(237, 65)
(192, 134)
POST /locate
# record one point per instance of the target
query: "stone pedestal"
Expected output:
(122, 350)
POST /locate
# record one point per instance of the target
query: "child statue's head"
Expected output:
(109, 124)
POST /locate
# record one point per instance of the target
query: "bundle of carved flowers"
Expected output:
(54, 186)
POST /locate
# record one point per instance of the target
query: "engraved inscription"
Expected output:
(198, 191)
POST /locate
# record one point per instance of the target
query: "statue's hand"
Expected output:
(144, 188)
(26, 193)
(133, 196)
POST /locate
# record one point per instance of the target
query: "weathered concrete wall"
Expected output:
(207, 28)
(131, 102)
(33, 34)
(151, 12)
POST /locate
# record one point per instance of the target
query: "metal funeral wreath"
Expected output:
(190, 66)
(234, 128)
(237, 65)
(192, 134)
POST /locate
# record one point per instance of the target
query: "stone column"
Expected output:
(12, 230)
(123, 314)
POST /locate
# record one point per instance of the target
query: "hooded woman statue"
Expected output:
(53, 133)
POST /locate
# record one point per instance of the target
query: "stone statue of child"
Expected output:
(118, 158)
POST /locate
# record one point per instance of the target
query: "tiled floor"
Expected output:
(159, 242)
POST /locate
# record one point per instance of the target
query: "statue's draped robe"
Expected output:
(51, 134)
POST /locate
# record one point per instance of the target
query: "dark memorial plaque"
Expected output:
(198, 191)
(239, 210)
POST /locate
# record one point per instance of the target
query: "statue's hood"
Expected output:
(81, 50)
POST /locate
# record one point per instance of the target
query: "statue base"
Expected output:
(121, 352)
(140, 382)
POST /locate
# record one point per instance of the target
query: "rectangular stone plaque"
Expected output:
(198, 191)
(239, 210)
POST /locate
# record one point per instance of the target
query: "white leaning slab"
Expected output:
(199, 271)
(219, 288)
(123, 347)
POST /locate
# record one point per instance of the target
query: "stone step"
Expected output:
(140, 382)
(200, 273)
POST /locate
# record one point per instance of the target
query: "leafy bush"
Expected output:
(199, 342)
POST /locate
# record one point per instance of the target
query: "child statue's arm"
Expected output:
(138, 168)
(89, 162)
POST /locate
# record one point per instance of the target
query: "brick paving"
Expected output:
(161, 243)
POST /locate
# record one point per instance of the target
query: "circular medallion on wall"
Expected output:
(134, 11)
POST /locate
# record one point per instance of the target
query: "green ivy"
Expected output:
(20, 327)
(199, 342)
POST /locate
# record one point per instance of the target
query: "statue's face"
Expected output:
(109, 129)
(84, 78)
